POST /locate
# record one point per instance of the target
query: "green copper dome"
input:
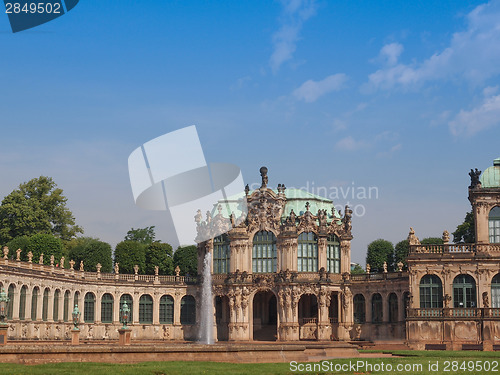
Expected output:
(491, 176)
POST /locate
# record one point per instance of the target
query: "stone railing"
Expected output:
(379, 276)
(303, 321)
(443, 249)
(70, 273)
(463, 313)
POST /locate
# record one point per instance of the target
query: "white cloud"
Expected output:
(388, 153)
(484, 116)
(473, 54)
(391, 52)
(311, 90)
(350, 144)
(379, 141)
(295, 13)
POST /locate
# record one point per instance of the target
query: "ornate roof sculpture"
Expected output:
(282, 210)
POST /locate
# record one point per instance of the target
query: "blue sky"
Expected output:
(399, 96)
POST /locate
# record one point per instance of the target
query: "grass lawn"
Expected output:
(411, 362)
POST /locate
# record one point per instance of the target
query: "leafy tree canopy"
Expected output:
(21, 242)
(37, 206)
(380, 251)
(432, 241)
(91, 251)
(465, 232)
(401, 253)
(142, 235)
(357, 270)
(130, 253)
(159, 254)
(47, 245)
(187, 259)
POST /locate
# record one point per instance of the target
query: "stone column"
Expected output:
(156, 308)
(385, 307)
(401, 307)
(60, 313)
(368, 307)
(50, 310)
(177, 308)
(27, 311)
(16, 303)
(345, 255)
(324, 326)
(135, 297)
(116, 308)
(39, 306)
(322, 242)
(481, 214)
(98, 297)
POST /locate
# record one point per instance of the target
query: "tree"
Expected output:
(130, 253)
(401, 251)
(380, 251)
(357, 270)
(91, 251)
(466, 232)
(187, 259)
(432, 241)
(47, 245)
(142, 235)
(159, 254)
(22, 243)
(37, 206)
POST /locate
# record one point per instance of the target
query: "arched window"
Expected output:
(89, 308)
(359, 308)
(55, 311)
(10, 294)
(107, 308)
(333, 254)
(431, 292)
(22, 303)
(393, 308)
(464, 291)
(146, 309)
(34, 303)
(188, 310)
(66, 305)
(495, 291)
(130, 303)
(166, 310)
(307, 252)
(45, 304)
(76, 297)
(494, 225)
(377, 309)
(264, 254)
(221, 254)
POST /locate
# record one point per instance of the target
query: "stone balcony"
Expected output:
(461, 248)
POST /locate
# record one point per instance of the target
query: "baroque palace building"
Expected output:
(281, 272)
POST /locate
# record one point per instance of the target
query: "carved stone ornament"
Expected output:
(474, 178)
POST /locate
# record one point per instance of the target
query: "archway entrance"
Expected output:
(222, 317)
(265, 316)
(308, 317)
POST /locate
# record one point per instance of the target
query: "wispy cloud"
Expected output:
(484, 116)
(311, 90)
(350, 144)
(295, 13)
(380, 141)
(472, 54)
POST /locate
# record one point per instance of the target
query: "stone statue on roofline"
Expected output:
(474, 178)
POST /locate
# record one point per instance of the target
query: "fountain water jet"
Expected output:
(206, 333)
